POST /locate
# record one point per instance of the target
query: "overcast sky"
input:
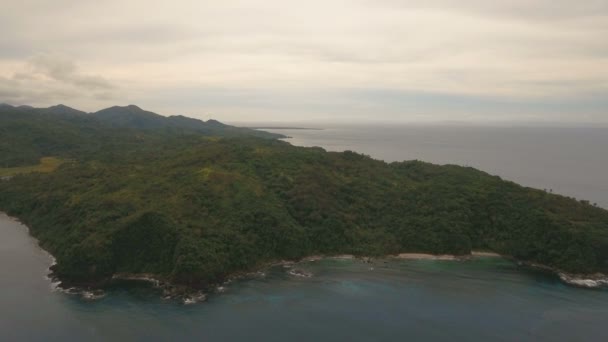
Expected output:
(282, 60)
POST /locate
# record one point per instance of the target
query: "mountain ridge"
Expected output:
(29, 134)
(134, 117)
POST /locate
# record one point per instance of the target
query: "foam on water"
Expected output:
(598, 281)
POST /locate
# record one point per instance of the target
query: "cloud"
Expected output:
(51, 78)
(519, 9)
(62, 69)
(535, 53)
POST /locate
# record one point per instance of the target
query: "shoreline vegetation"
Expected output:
(195, 202)
(187, 295)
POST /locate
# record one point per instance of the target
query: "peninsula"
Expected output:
(127, 191)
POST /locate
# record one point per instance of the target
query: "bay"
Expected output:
(386, 300)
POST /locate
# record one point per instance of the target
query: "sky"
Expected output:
(323, 60)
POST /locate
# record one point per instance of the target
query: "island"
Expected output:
(127, 193)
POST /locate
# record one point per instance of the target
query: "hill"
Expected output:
(29, 133)
(136, 118)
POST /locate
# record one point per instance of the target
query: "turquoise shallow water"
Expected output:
(345, 300)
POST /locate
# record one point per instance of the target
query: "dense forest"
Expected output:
(193, 201)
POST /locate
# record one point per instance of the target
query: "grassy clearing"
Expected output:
(206, 172)
(47, 164)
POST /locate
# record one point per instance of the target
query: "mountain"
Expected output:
(54, 110)
(184, 121)
(134, 194)
(134, 117)
(131, 116)
(31, 133)
(62, 110)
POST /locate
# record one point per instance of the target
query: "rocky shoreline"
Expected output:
(189, 295)
(591, 281)
(97, 290)
(596, 280)
(588, 281)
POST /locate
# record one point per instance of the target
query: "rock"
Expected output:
(300, 273)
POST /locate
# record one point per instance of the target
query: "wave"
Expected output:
(595, 281)
(194, 298)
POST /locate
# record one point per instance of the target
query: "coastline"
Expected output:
(587, 281)
(189, 295)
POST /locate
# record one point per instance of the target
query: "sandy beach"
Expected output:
(424, 256)
(485, 254)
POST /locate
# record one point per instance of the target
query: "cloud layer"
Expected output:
(332, 59)
(47, 79)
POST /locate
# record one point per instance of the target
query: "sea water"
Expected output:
(483, 299)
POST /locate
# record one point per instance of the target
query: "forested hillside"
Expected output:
(29, 134)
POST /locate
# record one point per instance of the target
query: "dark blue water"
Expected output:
(572, 161)
(486, 299)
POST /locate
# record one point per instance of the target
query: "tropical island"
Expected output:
(124, 191)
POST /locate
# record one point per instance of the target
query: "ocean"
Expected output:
(483, 299)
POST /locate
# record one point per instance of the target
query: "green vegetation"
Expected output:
(194, 208)
(47, 164)
(28, 134)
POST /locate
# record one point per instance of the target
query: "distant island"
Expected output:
(128, 193)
